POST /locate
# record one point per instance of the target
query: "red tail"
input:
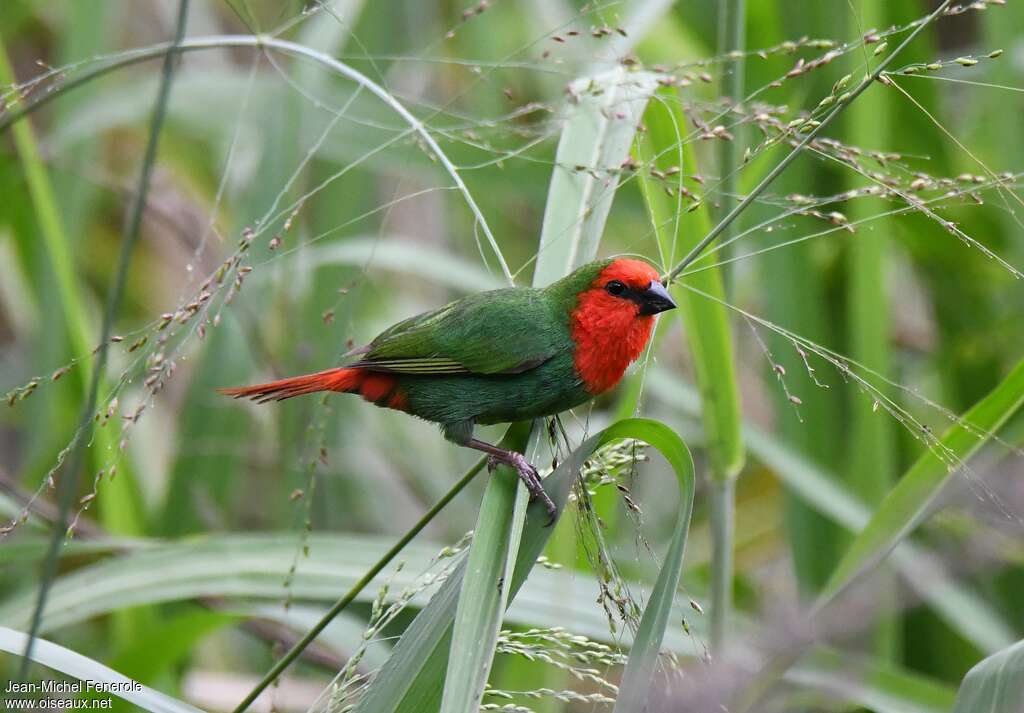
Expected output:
(381, 389)
(341, 379)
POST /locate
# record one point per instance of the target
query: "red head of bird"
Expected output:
(613, 320)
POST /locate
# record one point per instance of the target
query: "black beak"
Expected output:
(655, 299)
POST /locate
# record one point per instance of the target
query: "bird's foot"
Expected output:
(528, 474)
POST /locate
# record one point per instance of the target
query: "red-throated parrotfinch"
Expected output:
(500, 356)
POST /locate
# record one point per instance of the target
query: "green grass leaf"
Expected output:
(600, 123)
(996, 685)
(408, 682)
(707, 321)
(962, 608)
(398, 255)
(679, 226)
(905, 507)
(638, 676)
(907, 503)
(119, 507)
(253, 566)
(485, 591)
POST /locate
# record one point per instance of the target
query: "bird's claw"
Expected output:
(531, 478)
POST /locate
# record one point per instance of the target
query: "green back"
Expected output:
(497, 332)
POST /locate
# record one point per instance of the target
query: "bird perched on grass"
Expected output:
(500, 356)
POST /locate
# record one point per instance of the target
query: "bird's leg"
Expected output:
(527, 473)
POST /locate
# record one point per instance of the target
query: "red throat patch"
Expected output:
(609, 332)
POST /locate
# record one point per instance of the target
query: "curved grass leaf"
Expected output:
(85, 669)
(643, 655)
(996, 685)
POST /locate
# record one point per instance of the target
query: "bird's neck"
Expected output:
(608, 338)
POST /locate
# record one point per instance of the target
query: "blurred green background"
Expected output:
(269, 513)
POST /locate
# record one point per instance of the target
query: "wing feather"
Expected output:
(499, 332)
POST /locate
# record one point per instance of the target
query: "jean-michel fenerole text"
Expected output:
(54, 686)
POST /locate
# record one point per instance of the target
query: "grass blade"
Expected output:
(708, 334)
(410, 680)
(592, 147)
(643, 655)
(132, 573)
(871, 461)
(996, 685)
(964, 610)
(485, 591)
(732, 19)
(904, 508)
(906, 504)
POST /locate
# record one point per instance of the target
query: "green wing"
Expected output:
(499, 332)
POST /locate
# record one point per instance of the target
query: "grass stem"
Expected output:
(67, 483)
(811, 136)
(285, 47)
(731, 38)
(723, 526)
(349, 597)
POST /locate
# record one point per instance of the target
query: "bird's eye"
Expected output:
(615, 287)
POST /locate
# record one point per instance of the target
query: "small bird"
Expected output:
(500, 356)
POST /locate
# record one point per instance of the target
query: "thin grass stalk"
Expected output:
(731, 38)
(67, 484)
(871, 456)
(900, 513)
(224, 41)
(285, 47)
(709, 339)
(723, 536)
(791, 156)
(339, 606)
